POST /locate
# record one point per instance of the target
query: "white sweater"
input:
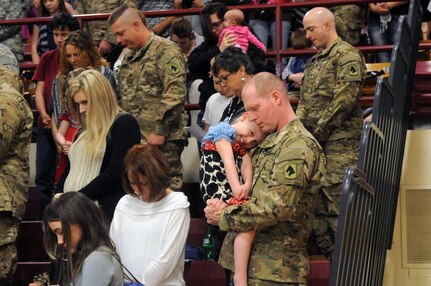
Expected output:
(150, 238)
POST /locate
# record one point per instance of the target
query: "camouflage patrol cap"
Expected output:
(8, 59)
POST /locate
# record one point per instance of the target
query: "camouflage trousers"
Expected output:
(258, 282)
(348, 22)
(172, 151)
(8, 255)
(339, 154)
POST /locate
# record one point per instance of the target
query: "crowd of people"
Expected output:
(109, 140)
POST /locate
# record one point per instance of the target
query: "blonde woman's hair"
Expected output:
(102, 108)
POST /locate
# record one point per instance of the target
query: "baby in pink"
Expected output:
(233, 20)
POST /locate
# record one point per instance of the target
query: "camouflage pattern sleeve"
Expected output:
(16, 121)
(9, 121)
(348, 22)
(13, 9)
(99, 30)
(346, 92)
(172, 71)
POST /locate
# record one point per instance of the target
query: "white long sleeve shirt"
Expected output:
(150, 238)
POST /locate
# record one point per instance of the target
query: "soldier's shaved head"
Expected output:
(129, 26)
(265, 83)
(319, 24)
(265, 98)
(127, 15)
(322, 15)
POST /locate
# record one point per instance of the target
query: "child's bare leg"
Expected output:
(242, 248)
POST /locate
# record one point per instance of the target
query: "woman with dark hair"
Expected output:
(151, 222)
(212, 15)
(76, 235)
(233, 69)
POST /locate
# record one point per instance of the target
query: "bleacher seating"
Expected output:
(33, 260)
(421, 101)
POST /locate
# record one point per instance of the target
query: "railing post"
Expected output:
(278, 38)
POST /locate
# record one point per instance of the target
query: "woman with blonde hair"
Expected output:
(105, 135)
(78, 52)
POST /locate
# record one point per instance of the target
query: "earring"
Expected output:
(243, 78)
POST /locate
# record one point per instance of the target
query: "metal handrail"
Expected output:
(277, 51)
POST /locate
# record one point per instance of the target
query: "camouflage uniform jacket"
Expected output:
(348, 21)
(289, 167)
(330, 91)
(152, 83)
(11, 35)
(16, 121)
(99, 30)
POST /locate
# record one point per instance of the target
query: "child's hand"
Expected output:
(242, 192)
(65, 147)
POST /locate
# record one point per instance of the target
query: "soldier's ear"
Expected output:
(136, 24)
(327, 25)
(276, 97)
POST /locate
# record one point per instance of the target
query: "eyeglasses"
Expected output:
(216, 24)
(224, 77)
(221, 79)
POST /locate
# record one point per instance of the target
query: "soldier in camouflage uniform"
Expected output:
(99, 30)
(289, 168)
(16, 121)
(348, 21)
(152, 82)
(329, 108)
(11, 35)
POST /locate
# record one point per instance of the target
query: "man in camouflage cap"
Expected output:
(288, 170)
(152, 82)
(329, 108)
(16, 121)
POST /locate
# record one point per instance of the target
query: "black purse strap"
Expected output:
(129, 276)
(132, 278)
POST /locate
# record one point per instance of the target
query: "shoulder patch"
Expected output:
(290, 171)
(173, 68)
(352, 71)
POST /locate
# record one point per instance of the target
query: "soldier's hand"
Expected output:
(229, 39)
(155, 140)
(213, 209)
